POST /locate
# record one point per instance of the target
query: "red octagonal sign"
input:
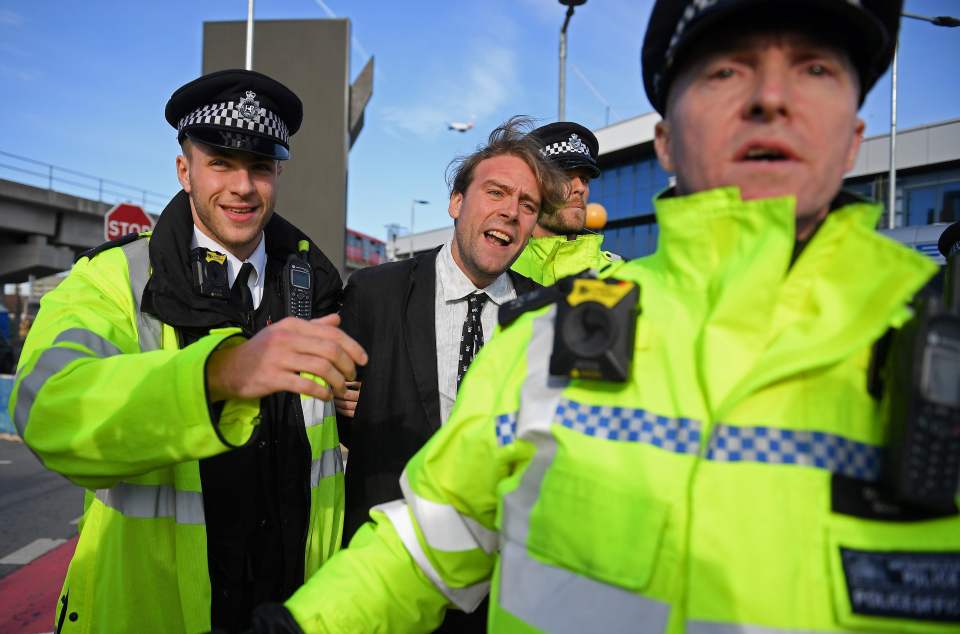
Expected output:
(124, 219)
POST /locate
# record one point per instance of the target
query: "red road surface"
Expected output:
(28, 596)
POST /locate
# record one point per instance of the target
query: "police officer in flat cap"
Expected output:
(168, 376)
(560, 246)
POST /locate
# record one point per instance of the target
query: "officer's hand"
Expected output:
(274, 358)
(346, 404)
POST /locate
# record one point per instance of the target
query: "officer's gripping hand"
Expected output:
(274, 358)
(346, 404)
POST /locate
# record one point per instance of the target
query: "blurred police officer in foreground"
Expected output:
(559, 246)
(163, 375)
(732, 482)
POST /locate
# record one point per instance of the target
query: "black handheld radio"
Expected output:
(923, 409)
(298, 283)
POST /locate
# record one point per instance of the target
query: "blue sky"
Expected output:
(83, 84)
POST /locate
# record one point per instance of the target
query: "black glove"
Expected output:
(269, 618)
(273, 618)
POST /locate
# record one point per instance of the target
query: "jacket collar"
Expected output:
(454, 285)
(169, 293)
(757, 316)
(548, 247)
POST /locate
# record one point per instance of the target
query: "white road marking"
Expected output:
(31, 551)
(76, 520)
(6, 461)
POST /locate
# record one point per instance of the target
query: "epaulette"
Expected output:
(119, 242)
(610, 256)
(539, 298)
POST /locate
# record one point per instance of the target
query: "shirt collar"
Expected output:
(454, 285)
(258, 258)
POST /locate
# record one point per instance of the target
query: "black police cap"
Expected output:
(949, 242)
(568, 145)
(868, 29)
(237, 110)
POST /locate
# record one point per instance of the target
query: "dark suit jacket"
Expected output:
(389, 310)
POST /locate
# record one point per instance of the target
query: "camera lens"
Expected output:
(589, 330)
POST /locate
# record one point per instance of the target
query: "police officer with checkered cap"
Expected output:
(234, 127)
(237, 110)
(560, 246)
(207, 408)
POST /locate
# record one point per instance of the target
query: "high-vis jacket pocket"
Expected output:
(596, 529)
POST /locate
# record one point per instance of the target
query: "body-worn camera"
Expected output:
(209, 272)
(594, 331)
(298, 284)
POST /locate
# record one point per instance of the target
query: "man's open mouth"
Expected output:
(498, 237)
(764, 154)
(768, 152)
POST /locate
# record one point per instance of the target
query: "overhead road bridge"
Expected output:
(43, 229)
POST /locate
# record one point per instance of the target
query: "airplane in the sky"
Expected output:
(460, 126)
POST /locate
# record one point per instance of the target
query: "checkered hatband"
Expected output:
(573, 145)
(228, 114)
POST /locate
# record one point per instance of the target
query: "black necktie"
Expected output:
(240, 292)
(471, 337)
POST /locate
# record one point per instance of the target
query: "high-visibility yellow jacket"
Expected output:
(696, 497)
(104, 396)
(545, 260)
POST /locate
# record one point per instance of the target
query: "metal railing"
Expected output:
(68, 181)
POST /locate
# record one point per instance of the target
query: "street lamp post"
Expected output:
(413, 206)
(249, 60)
(570, 4)
(940, 20)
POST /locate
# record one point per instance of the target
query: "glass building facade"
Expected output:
(626, 190)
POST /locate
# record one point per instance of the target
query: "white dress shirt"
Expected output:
(450, 306)
(258, 259)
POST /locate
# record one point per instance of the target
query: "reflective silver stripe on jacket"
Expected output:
(468, 598)
(149, 329)
(554, 599)
(53, 360)
(710, 627)
(444, 527)
(539, 398)
(315, 411)
(547, 597)
(154, 501)
(329, 463)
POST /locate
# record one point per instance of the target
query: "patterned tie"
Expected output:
(471, 338)
(240, 295)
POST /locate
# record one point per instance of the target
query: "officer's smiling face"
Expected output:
(232, 194)
(773, 113)
(494, 217)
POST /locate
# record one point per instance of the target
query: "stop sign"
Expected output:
(124, 219)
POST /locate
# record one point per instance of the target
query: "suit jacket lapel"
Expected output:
(419, 327)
